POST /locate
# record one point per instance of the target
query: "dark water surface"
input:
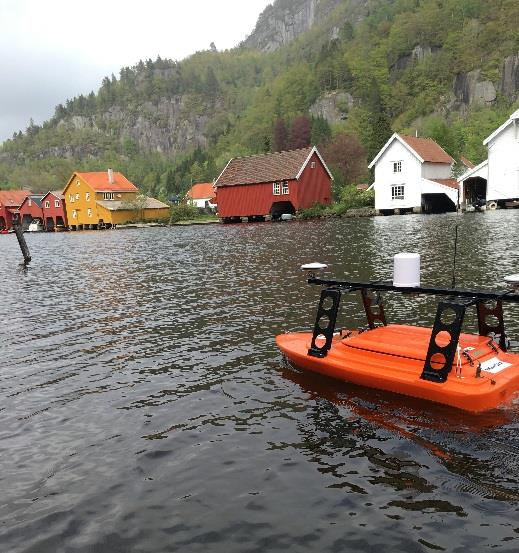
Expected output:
(144, 406)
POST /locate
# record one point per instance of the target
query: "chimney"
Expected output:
(110, 176)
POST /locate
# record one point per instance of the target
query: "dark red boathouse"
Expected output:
(10, 202)
(273, 184)
(53, 206)
(30, 210)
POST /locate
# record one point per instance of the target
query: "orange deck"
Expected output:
(392, 358)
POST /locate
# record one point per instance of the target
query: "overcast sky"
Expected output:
(52, 50)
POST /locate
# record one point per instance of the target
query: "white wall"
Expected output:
(503, 164)
(201, 202)
(385, 178)
(436, 170)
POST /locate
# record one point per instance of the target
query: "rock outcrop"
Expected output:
(333, 106)
(510, 77)
(470, 90)
(284, 20)
(418, 54)
(168, 127)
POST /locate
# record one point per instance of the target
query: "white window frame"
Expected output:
(71, 198)
(74, 214)
(397, 192)
(87, 196)
(276, 189)
(78, 183)
(397, 166)
(47, 204)
(312, 165)
(108, 195)
(77, 197)
(284, 188)
(56, 203)
(89, 212)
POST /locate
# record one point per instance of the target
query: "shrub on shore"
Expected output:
(350, 198)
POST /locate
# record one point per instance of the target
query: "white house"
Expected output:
(496, 180)
(413, 174)
(202, 194)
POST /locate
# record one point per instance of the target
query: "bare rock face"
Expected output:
(332, 106)
(510, 76)
(417, 55)
(168, 127)
(284, 20)
(470, 90)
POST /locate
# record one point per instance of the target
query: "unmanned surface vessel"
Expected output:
(474, 372)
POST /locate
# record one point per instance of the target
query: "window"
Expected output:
(276, 189)
(89, 212)
(284, 190)
(397, 166)
(71, 198)
(78, 183)
(108, 195)
(77, 197)
(74, 214)
(397, 192)
(87, 196)
(47, 204)
(312, 165)
(56, 203)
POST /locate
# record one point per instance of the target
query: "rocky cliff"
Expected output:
(283, 21)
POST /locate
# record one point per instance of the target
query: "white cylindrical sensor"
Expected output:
(406, 271)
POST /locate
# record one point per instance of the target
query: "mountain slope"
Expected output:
(446, 68)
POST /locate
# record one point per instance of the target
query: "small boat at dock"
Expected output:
(470, 371)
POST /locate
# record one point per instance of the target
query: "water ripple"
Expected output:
(145, 408)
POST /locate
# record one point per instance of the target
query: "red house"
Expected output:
(10, 202)
(273, 184)
(54, 215)
(31, 209)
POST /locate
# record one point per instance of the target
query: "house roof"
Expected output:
(425, 149)
(473, 171)
(451, 183)
(56, 193)
(36, 198)
(278, 166)
(151, 203)
(201, 191)
(499, 130)
(13, 198)
(467, 163)
(428, 149)
(98, 180)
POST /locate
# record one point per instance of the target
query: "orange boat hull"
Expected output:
(392, 358)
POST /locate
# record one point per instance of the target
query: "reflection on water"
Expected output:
(144, 406)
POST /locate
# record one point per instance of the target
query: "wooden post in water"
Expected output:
(21, 240)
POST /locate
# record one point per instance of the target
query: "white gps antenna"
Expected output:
(513, 281)
(312, 268)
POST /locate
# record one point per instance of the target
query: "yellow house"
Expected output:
(107, 198)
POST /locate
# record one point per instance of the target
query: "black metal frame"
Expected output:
(458, 301)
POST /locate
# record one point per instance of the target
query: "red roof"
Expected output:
(428, 149)
(56, 193)
(99, 181)
(13, 198)
(201, 191)
(468, 164)
(452, 183)
(264, 168)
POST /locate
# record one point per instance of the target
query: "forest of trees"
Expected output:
(259, 102)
